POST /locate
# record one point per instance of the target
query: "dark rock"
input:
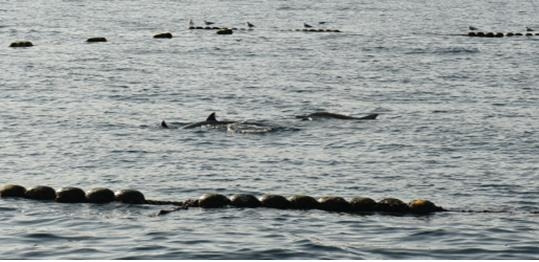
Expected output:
(213, 201)
(362, 204)
(472, 34)
(21, 44)
(489, 34)
(529, 34)
(100, 195)
(499, 35)
(332, 203)
(509, 34)
(392, 205)
(70, 195)
(518, 34)
(130, 196)
(481, 34)
(303, 202)
(41, 193)
(244, 200)
(274, 201)
(163, 35)
(12, 191)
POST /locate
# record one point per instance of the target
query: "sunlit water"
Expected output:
(458, 125)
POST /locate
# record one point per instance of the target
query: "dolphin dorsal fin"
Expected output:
(211, 118)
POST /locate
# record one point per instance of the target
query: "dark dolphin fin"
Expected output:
(211, 118)
(164, 124)
(369, 117)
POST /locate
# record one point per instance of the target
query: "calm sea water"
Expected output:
(458, 125)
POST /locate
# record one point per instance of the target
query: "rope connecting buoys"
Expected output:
(21, 44)
(96, 40)
(298, 202)
(163, 35)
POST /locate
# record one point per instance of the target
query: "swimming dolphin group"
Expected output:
(211, 120)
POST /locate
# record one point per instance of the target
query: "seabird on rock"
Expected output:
(529, 29)
(250, 25)
(307, 25)
(208, 22)
(472, 28)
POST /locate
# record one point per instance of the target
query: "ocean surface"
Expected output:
(458, 125)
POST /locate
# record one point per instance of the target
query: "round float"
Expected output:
(100, 195)
(70, 195)
(244, 200)
(392, 205)
(362, 204)
(303, 202)
(213, 201)
(12, 191)
(130, 196)
(333, 203)
(41, 193)
(274, 201)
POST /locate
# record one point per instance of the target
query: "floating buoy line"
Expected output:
(296, 202)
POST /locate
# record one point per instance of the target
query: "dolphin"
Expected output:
(319, 115)
(210, 121)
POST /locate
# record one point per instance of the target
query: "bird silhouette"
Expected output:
(307, 25)
(250, 25)
(472, 28)
(322, 22)
(191, 23)
(529, 29)
(208, 22)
